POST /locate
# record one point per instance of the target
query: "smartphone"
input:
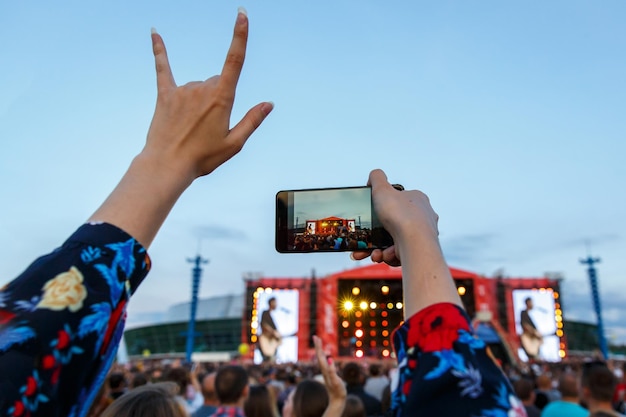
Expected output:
(328, 220)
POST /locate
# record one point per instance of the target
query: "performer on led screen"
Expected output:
(270, 339)
(531, 338)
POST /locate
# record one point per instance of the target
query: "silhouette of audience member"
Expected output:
(211, 402)
(151, 400)
(545, 393)
(354, 407)
(598, 385)
(525, 391)
(260, 402)
(355, 379)
(231, 386)
(311, 398)
(376, 382)
(117, 385)
(569, 404)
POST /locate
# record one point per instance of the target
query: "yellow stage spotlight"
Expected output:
(461, 290)
(373, 305)
(384, 289)
(358, 333)
(386, 353)
(359, 353)
(356, 290)
(399, 305)
(348, 305)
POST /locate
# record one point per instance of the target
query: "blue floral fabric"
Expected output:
(62, 319)
(444, 370)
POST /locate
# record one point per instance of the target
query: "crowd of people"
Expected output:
(307, 242)
(566, 389)
(61, 320)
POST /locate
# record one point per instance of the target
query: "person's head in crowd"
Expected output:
(309, 399)
(568, 387)
(231, 385)
(597, 385)
(375, 370)
(151, 400)
(180, 376)
(260, 402)
(354, 407)
(208, 390)
(352, 374)
(138, 380)
(524, 388)
(117, 384)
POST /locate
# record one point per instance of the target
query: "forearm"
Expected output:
(426, 276)
(143, 198)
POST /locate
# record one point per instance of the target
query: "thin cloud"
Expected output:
(218, 232)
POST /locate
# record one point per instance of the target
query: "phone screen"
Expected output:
(328, 220)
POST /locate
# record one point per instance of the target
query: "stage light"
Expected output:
(373, 343)
(559, 333)
(555, 295)
(386, 353)
(561, 353)
(268, 290)
(385, 333)
(358, 323)
(356, 290)
(358, 333)
(384, 314)
(373, 333)
(348, 305)
(559, 318)
(389, 306)
(385, 342)
(254, 325)
(461, 290)
(373, 305)
(372, 323)
(260, 289)
(559, 324)
(558, 312)
(255, 295)
(385, 323)
(399, 305)
(358, 314)
(358, 343)
(253, 331)
(359, 353)
(253, 338)
(384, 289)
(345, 324)
(363, 305)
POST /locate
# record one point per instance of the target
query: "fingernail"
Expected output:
(242, 15)
(267, 107)
(352, 256)
(153, 31)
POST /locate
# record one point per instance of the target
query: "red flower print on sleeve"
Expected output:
(436, 327)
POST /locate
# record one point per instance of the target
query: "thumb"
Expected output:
(378, 179)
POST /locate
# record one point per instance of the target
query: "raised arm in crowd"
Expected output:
(61, 320)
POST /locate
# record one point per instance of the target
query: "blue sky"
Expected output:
(509, 115)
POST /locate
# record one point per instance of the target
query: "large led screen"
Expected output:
(535, 307)
(285, 318)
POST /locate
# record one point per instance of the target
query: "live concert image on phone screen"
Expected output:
(535, 323)
(277, 326)
(330, 220)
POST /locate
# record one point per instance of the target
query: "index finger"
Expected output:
(236, 53)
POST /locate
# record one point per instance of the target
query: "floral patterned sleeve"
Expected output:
(61, 321)
(444, 370)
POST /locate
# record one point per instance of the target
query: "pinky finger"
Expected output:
(250, 122)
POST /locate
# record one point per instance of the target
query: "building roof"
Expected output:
(382, 270)
(219, 307)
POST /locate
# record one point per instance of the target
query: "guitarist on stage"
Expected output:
(531, 338)
(270, 334)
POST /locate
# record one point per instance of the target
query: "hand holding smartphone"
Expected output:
(328, 220)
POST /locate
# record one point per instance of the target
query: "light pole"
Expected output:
(595, 294)
(196, 273)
